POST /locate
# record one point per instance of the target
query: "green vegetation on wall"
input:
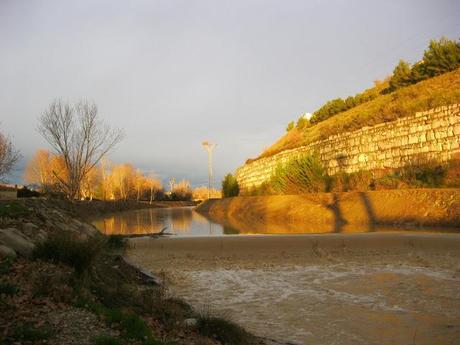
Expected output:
(305, 174)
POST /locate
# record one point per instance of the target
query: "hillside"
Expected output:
(430, 93)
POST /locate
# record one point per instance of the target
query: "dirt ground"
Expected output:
(380, 288)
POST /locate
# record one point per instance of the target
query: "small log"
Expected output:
(151, 234)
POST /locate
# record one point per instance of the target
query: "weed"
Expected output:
(8, 289)
(113, 316)
(5, 265)
(28, 332)
(302, 174)
(116, 242)
(227, 332)
(13, 210)
(135, 328)
(106, 340)
(53, 284)
(78, 254)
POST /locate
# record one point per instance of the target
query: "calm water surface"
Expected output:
(180, 221)
(185, 221)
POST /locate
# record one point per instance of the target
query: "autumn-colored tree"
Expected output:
(121, 178)
(153, 185)
(181, 191)
(201, 193)
(46, 169)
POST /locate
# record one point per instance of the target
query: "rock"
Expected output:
(6, 252)
(17, 241)
(29, 227)
(190, 322)
(41, 236)
(89, 230)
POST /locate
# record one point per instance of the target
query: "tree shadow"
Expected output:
(339, 221)
(372, 219)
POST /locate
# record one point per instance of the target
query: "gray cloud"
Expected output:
(174, 73)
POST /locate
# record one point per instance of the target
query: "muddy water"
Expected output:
(333, 304)
(302, 294)
(350, 296)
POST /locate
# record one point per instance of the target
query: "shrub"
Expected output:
(13, 210)
(302, 174)
(135, 328)
(441, 56)
(63, 248)
(106, 340)
(401, 76)
(202, 193)
(452, 178)
(430, 174)
(226, 332)
(116, 242)
(181, 191)
(388, 182)
(290, 126)
(344, 182)
(8, 289)
(230, 186)
(29, 332)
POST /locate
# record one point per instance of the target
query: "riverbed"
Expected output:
(319, 291)
(309, 285)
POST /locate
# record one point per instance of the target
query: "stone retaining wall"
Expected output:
(431, 135)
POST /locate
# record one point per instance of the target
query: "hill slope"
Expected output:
(430, 93)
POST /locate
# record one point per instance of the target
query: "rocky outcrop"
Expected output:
(32, 221)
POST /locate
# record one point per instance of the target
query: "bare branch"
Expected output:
(8, 156)
(77, 134)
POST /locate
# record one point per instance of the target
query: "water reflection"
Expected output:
(181, 221)
(185, 221)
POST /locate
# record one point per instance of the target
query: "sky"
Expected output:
(174, 73)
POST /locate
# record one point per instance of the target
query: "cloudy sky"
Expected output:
(175, 73)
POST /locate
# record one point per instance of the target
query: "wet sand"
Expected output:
(379, 288)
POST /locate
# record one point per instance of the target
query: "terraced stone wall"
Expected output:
(429, 135)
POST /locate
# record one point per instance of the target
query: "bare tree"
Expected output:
(8, 156)
(77, 134)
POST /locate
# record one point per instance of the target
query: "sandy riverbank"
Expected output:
(378, 288)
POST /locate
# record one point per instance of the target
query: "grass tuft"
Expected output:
(224, 331)
(8, 289)
(28, 332)
(13, 210)
(106, 340)
(78, 254)
(116, 242)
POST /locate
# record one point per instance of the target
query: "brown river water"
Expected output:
(279, 288)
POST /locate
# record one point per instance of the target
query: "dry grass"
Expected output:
(430, 93)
